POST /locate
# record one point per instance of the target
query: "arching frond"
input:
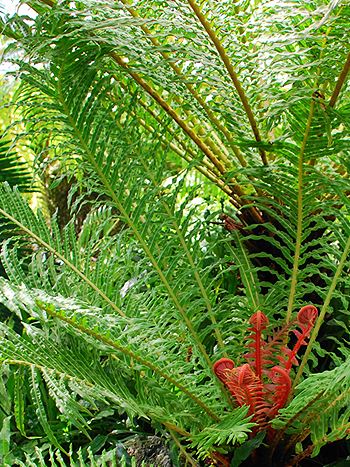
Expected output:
(148, 360)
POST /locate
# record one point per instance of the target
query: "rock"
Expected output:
(150, 450)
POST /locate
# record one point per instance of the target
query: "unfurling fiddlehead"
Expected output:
(263, 383)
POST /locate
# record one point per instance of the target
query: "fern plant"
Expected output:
(264, 384)
(158, 109)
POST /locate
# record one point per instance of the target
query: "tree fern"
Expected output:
(129, 100)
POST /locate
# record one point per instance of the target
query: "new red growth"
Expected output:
(263, 383)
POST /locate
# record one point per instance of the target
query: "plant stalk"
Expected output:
(211, 116)
(233, 75)
(323, 311)
(294, 278)
(341, 80)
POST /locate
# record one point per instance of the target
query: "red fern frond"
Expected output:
(281, 386)
(257, 357)
(221, 366)
(261, 384)
(306, 319)
(246, 387)
(307, 316)
(275, 345)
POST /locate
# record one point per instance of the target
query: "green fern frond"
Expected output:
(148, 359)
(107, 458)
(12, 170)
(40, 408)
(321, 405)
(223, 433)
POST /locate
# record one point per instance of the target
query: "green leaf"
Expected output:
(5, 435)
(19, 400)
(241, 453)
(40, 409)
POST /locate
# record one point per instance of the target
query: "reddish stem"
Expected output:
(259, 322)
(306, 319)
